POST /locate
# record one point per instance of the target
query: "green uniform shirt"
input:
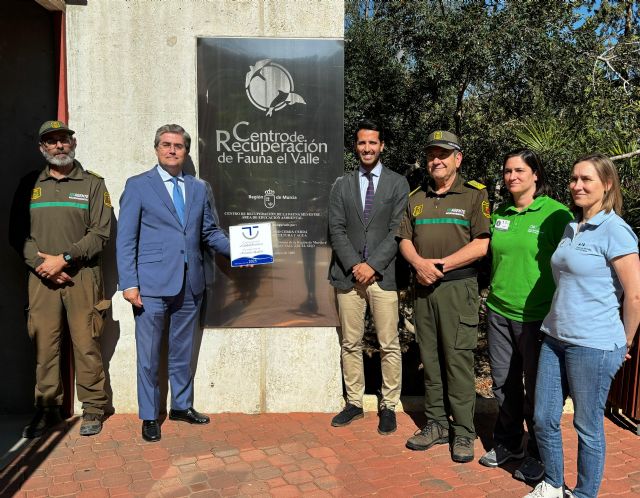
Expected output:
(521, 245)
(439, 225)
(69, 215)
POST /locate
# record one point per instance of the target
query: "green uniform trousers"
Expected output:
(446, 317)
(81, 307)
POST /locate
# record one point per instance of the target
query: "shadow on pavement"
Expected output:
(21, 457)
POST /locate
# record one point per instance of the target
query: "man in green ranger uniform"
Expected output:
(445, 230)
(60, 224)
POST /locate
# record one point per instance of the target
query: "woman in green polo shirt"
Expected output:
(525, 231)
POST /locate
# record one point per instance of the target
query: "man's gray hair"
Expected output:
(172, 128)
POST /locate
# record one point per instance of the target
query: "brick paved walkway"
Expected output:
(278, 455)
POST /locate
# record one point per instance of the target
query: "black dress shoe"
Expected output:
(189, 415)
(347, 415)
(387, 423)
(151, 430)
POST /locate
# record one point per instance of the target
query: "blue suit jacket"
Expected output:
(152, 243)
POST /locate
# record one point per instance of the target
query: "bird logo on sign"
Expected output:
(269, 87)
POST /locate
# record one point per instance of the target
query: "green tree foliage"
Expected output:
(561, 77)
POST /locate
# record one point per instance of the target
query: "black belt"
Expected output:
(459, 274)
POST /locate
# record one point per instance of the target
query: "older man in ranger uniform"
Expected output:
(61, 224)
(444, 232)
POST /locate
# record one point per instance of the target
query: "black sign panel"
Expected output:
(270, 121)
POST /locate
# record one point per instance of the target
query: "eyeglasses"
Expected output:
(169, 145)
(52, 142)
(440, 154)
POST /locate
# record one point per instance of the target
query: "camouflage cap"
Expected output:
(444, 139)
(51, 126)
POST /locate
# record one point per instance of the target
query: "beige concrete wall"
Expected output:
(132, 68)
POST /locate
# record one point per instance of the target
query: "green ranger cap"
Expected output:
(444, 139)
(50, 126)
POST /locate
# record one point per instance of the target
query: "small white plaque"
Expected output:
(251, 244)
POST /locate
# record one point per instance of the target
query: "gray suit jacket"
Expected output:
(348, 232)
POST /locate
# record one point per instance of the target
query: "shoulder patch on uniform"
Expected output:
(414, 191)
(36, 193)
(107, 199)
(476, 185)
(417, 210)
(94, 173)
(485, 209)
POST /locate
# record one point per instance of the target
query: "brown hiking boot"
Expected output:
(431, 434)
(91, 424)
(462, 449)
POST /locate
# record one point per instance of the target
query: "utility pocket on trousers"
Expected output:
(98, 316)
(30, 328)
(467, 333)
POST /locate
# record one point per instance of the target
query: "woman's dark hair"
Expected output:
(532, 160)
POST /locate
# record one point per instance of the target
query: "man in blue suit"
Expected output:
(165, 219)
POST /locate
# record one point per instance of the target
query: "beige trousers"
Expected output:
(352, 305)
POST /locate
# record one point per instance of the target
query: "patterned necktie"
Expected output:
(368, 205)
(178, 200)
(368, 198)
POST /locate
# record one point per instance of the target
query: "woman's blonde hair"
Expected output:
(608, 175)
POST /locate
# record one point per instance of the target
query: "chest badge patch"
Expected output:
(502, 224)
(36, 193)
(455, 212)
(79, 197)
(107, 199)
(417, 210)
(485, 209)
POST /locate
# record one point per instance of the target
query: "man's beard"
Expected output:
(59, 159)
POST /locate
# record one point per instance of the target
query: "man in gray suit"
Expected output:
(365, 209)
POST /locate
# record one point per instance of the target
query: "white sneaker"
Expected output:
(546, 490)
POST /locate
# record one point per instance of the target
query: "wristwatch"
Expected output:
(67, 258)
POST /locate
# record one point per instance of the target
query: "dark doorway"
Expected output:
(28, 87)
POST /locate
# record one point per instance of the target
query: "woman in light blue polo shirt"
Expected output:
(596, 269)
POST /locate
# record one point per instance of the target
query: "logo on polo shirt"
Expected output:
(79, 197)
(455, 212)
(417, 210)
(502, 224)
(534, 229)
(582, 247)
